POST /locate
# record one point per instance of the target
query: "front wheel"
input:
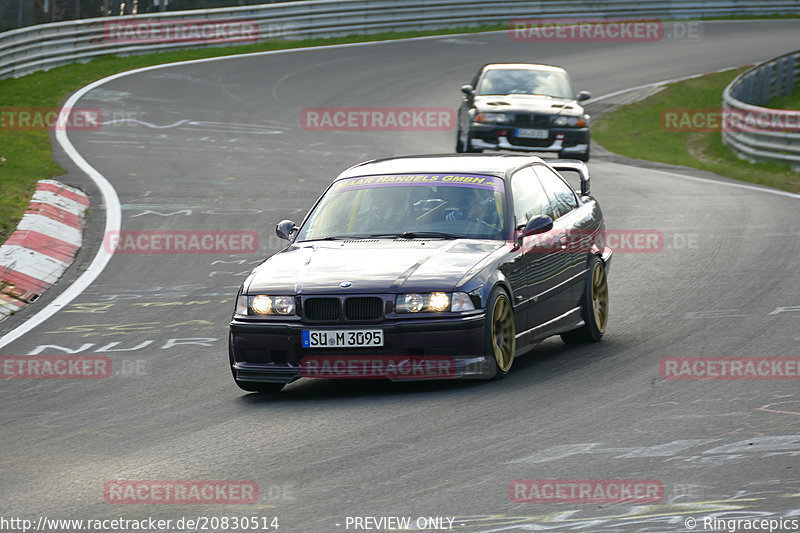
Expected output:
(459, 144)
(500, 332)
(594, 306)
(468, 146)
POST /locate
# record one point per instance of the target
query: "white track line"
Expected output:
(113, 212)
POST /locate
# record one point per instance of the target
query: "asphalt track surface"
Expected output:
(218, 146)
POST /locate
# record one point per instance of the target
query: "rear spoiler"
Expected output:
(574, 165)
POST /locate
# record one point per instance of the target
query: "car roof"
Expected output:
(490, 164)
(522, 66)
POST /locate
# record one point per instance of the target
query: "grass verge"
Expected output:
(637, 130)
(786, 101)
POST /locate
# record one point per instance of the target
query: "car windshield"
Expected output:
(410, 206)
(525, 81)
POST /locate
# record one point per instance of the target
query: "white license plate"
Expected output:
(533, 134)
(342, 338)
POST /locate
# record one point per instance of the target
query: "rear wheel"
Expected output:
(594, 306)
(500, 332)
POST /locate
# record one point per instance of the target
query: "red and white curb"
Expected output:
(43, 245)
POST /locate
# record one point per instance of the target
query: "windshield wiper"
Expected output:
(335, 238)
(417, 234)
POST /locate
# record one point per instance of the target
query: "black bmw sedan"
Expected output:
(523, 107)
(426, 267)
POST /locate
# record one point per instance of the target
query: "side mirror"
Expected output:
(584, 95)
(538, 224)
(468, 91)
(285, 228)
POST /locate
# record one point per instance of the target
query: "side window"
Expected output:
(562, 196)
(529, 196)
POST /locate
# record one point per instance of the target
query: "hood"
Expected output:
(528, 103)
(374, 266)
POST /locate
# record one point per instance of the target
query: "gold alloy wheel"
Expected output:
(503, 333)
(600, 296)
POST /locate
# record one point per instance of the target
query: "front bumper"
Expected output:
(273, 352)
(499, 137)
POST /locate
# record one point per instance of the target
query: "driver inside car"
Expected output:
(472, 206)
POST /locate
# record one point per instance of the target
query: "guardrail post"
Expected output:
(780, 72)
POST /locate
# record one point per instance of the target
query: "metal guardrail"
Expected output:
(44, 46)
(760, 133)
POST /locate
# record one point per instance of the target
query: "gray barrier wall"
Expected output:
(759, 133)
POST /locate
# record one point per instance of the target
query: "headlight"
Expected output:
(439, 301)
(283, 305)
(492, 117)
(262, 305)
(411, 303)
(272, 305)
(435, 302)
(574, 122)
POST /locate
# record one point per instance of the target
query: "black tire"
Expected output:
(594, 306)
(468, 146)
(251, 386)
(501, 340)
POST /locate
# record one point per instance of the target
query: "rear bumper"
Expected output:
(273, 352)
